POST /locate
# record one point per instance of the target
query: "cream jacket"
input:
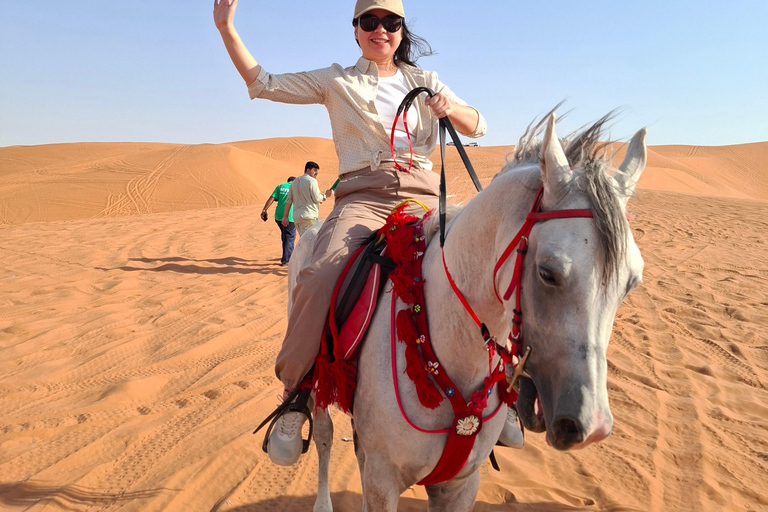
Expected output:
(349, 93)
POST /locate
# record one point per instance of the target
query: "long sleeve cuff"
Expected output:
(481, 127)
(258, 85)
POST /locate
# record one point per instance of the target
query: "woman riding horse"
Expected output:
(362, 101)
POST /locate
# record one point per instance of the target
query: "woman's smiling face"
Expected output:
(379, 45)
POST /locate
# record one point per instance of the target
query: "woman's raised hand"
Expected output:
(224, 17)
(224, 13)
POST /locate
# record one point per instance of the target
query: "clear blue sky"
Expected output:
(693, 72)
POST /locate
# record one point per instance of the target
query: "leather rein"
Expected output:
(520, 241)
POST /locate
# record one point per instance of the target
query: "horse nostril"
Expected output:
(567, 432)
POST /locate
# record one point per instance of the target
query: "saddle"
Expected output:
(355, 297)
(353, 304)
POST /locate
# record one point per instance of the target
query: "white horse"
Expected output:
(576, 273)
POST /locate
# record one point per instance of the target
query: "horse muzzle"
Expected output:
(567, 430)
(569, 433)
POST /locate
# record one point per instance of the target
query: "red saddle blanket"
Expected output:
(353, 304)
(355, 325)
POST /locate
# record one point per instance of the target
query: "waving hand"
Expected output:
(224, 18)
(224, 13)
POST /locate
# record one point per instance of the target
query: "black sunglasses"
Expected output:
(369, 22)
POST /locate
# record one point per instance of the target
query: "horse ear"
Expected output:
(632, 166)
(556, 173)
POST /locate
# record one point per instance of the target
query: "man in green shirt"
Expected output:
(287, 231)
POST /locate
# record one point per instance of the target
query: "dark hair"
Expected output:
(311, 165)
(291, 178)
(411, 48)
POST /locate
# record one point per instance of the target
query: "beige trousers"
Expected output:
(302, 225)
(364, 199)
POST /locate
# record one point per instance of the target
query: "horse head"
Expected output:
(577, 272)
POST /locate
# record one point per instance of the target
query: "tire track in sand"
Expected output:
(677, 454)
(138, 191)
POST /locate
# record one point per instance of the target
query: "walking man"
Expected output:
(305, 197)
(287, 228)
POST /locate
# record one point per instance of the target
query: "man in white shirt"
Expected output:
(304, 195)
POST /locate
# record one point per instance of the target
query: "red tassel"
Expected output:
(406, 327)
(401, 232)
(335, 383)
(403, 284)
(403, 247)
(478, 402)
(428, 394)
(414, 364)
(324, 381)
(345, 376)
(509, 398)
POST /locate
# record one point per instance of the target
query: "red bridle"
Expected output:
(521, 240)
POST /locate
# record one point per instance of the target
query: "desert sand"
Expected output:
(142, 304)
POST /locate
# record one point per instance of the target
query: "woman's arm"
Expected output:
(224, 17)
(298, 88)
(464, 118)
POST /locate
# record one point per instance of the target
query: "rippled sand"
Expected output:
(142, 304)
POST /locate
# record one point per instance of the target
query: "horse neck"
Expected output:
(472, 248)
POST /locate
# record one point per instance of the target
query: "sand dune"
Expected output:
(142, 305)
(730, 171)
(87, 181)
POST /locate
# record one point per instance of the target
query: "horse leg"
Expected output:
(454, 495)
(381, 485)
(360, 454)
(323, 441)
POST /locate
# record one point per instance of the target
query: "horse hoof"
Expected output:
(323, 505)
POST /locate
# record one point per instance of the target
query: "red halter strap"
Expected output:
(521, 242)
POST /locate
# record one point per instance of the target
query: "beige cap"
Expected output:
(393, 6)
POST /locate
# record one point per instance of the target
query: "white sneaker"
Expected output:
(285, 443)
(511, 435)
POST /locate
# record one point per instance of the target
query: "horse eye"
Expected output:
(547, 276)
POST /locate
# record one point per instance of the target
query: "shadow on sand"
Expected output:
(26, 494)
(353, 502)
(231, 265)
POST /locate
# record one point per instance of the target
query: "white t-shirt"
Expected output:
(392, 90)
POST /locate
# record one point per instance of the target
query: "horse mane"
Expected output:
(589, 158)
